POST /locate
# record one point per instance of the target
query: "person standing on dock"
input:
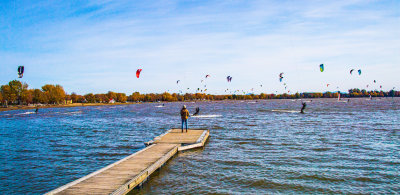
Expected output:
(184, 116)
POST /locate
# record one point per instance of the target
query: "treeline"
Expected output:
(17, 93)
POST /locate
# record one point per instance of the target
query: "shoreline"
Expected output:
(24, 107)
(2, 109)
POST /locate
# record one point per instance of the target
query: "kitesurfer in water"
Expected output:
(184, 116)
(197, 111)
(304, 107)
(37, 110)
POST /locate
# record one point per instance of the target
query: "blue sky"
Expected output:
(97, 46)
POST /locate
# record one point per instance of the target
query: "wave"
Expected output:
(321, 149)
(76, 112)
(287, 111)
(316, 177)
(207, 116)
(25, 113)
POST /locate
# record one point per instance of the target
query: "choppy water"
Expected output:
(255, 147)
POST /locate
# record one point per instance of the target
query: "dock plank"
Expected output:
(176, 136)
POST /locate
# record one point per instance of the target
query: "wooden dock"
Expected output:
(130, 172)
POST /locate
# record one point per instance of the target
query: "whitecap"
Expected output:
(207, 116)
(25, 113)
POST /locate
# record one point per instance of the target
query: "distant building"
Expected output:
(112, 101)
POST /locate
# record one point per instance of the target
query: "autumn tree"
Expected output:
(27, 96)
(101, 98)
(39, 97)
(135, 97)
(6, 93)
(121, 97)
(55, 94)
(90, 98)
(16, 90)
(74, 97)
(111, 95)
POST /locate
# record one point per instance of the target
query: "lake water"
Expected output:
(256, 147)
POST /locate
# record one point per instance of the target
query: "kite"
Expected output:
(20, 71)
(138, 72)
(359, 71)
(321, 67)
(280, 77)
(351, 71)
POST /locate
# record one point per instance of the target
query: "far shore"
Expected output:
(24, 107)
(32, 107)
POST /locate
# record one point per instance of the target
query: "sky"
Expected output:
(97, 46)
